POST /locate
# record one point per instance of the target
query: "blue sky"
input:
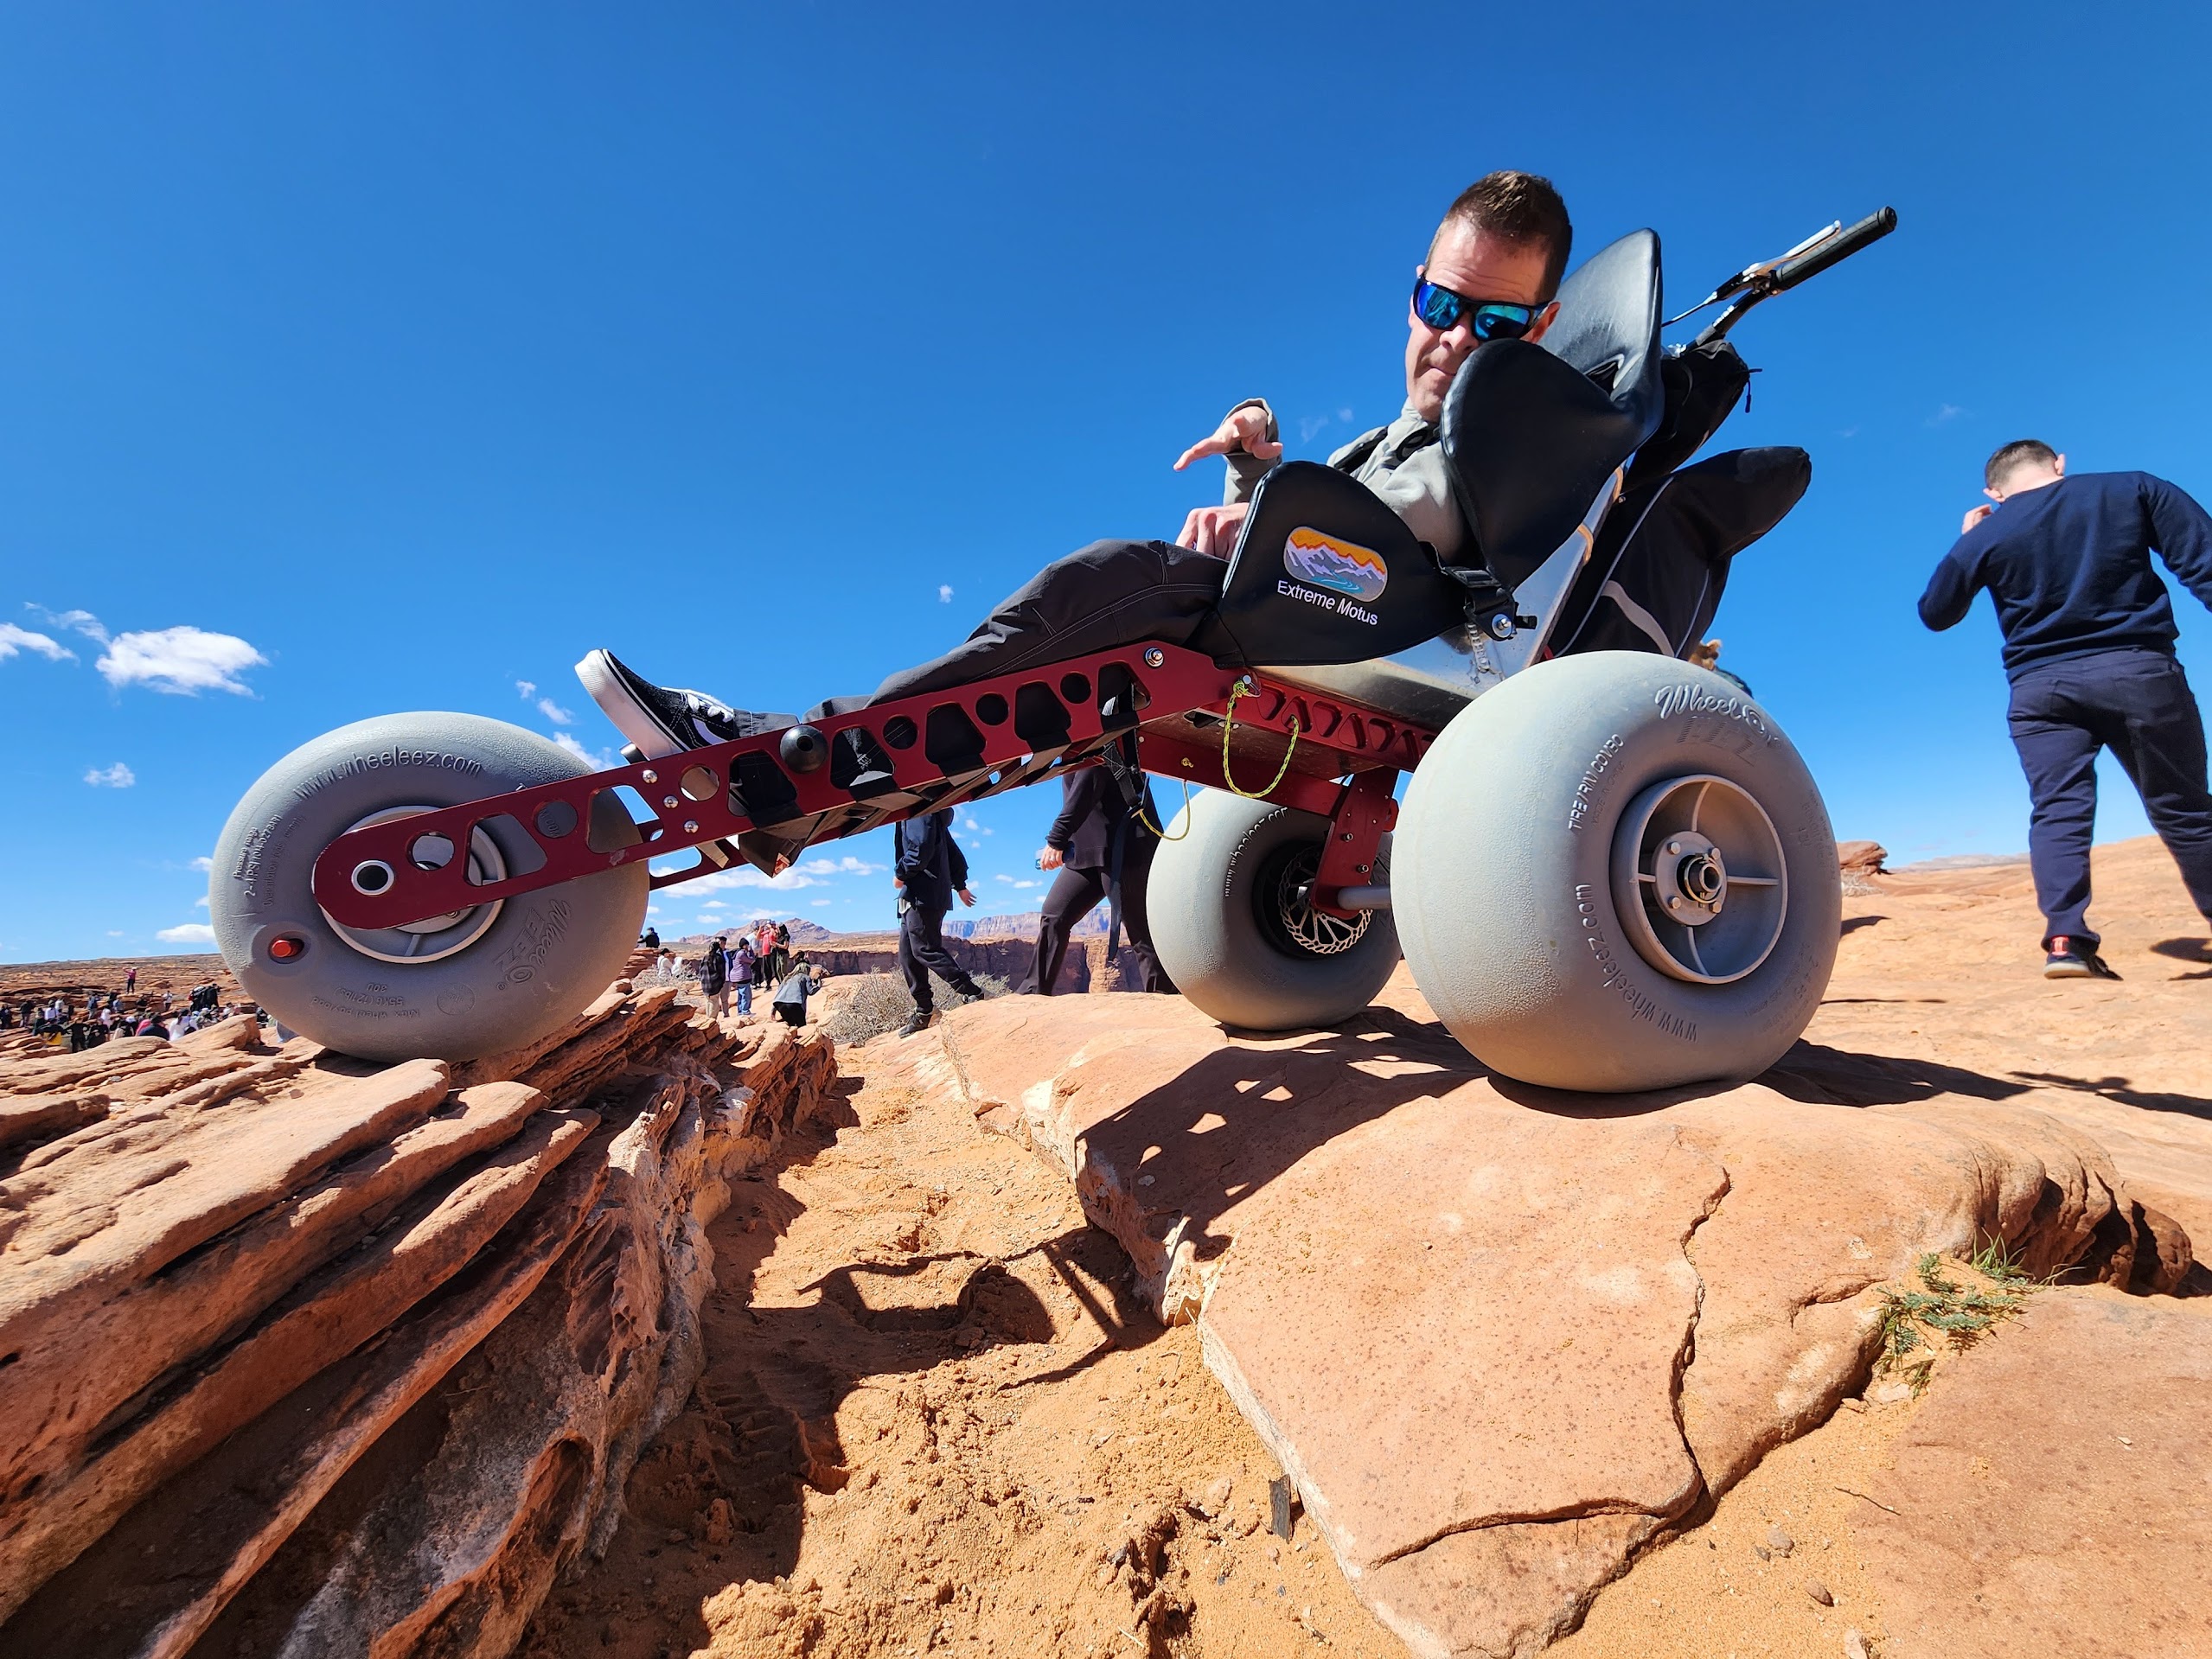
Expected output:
(356, 360)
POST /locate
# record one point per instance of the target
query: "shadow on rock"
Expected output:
(2120, 1091)
(1236, 1119)
(1821, 1075)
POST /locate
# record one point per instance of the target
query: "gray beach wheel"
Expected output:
(479, 981)
(1614, 872)
(1234, 931)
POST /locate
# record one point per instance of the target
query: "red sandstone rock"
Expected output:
(1465, 1315)
(204, 1240)
(2050, 1497)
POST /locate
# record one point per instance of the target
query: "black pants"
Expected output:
(1073, 895)
(2137, 704)
(921, 948)
(1107, 594)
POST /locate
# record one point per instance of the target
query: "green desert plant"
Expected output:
(1946, 1311)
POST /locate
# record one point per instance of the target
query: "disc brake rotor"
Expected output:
(1287, 914)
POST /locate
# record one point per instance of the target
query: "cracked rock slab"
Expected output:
(1500, 1336)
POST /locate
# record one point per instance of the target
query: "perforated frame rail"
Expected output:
(848, 773)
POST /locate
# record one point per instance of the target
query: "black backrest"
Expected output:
(1532, 432)
(1325, 572)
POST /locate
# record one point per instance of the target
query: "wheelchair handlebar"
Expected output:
(1834, 251)
(1758, 283)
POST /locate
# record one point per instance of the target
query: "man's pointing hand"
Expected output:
(1244, 429)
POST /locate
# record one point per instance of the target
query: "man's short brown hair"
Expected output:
(1520, 208)
(2021, 452)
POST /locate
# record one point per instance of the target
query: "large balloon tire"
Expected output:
(1220, 883)
(497, 981)
(1533, 856)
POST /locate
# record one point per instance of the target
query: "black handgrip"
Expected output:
(1842, 246)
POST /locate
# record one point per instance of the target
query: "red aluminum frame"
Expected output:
(690, 802)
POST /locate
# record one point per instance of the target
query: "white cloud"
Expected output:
(200, 902)
(1943, 413)
(79, 622)
(1309, 424)
(554, 713)
(808, 871)
(528, 687)
(712, 904)
(1345, 414)
(1028, 884)
(115, 933)
(205, 865)
(15, 640)
(598, 760)
(818, 903)
(744, 875)
(118, 776)
(1008, 880)
(944, 593)
(192, 933)
(183, 662)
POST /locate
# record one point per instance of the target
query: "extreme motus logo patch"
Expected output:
(1341, 566)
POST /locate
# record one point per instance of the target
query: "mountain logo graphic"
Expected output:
(1340, 566)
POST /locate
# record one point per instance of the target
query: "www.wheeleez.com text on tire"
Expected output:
(1615, 974)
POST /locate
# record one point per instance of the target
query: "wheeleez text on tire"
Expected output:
(435, 759)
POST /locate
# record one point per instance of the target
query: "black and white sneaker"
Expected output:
(2071, 958)
(666, 719)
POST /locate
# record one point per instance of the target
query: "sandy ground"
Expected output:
(997, 1450)
(933, 1419)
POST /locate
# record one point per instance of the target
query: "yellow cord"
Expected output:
(1229, 724)
(1162, 834)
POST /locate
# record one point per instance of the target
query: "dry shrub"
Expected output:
(872, 1003)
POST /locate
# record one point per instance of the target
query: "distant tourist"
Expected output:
(929, 871)
(714, 979)
(742, 962)
(789, 1004)
(130, 979)
(650, 939)
(1706, 655)
(2089, 648)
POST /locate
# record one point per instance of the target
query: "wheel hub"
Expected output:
(1286, 913)
(1699, 880)
(433, 938)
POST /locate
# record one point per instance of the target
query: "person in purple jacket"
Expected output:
(2089, 648)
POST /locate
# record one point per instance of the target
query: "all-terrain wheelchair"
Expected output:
(1611, 870)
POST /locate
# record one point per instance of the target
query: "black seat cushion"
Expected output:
(1324, 572)
(1532, 432)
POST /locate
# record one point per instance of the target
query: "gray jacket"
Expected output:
(1404, 467)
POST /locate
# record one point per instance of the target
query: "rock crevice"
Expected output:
(363, 1356)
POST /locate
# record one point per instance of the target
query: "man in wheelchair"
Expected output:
(1493, 267)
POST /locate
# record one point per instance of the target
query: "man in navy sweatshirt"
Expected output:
(2089, 648)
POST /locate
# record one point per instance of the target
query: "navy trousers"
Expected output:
(921, 948)
(2137, 704)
